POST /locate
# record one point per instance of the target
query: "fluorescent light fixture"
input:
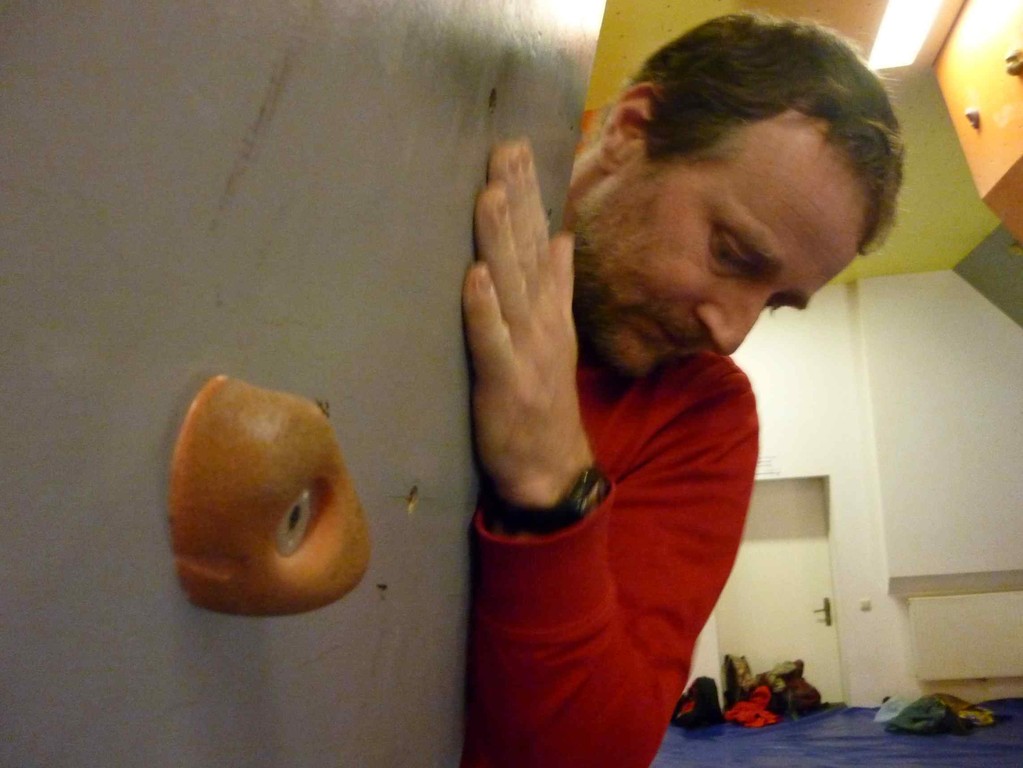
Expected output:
(903, 31)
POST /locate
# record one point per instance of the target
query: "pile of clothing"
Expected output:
(758, 700)
(751, 700)
(937, 713)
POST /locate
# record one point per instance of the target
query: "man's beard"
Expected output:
(593, 307)
(613, 242)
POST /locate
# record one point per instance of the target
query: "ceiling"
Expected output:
(941, 217)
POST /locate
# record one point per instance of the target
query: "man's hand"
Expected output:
(517, 301)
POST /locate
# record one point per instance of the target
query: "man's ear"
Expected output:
(624, 132)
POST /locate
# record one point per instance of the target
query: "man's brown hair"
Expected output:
(741, 68)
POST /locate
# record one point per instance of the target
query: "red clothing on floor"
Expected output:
(753, 712)
(581, 640)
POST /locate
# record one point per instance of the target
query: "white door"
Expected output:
(772, 607)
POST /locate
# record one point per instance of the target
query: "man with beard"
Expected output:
(744, 167)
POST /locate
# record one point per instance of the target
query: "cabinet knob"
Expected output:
(1014, 62)
(973, 115)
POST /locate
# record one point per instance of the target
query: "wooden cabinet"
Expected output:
(986, 101)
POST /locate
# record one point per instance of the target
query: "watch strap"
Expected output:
(589, 490)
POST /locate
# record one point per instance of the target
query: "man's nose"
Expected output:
(728, 321)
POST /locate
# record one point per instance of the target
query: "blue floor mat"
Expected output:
(838, 737)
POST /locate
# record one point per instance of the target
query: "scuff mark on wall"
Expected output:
(280, 74)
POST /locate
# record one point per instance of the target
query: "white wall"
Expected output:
(946, 381)
(821, 402)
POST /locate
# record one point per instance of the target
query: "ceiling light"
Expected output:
(903, 31)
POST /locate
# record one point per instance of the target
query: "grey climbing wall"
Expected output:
(280, 191)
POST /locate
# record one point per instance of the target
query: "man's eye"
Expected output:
(736, 259)
(730, 257)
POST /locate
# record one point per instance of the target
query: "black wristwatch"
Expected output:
(589, 489)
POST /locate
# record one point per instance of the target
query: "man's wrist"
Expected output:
(589, 489)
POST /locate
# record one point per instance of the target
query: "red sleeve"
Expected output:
(581, 641)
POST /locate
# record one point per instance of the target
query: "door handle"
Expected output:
(826, 610)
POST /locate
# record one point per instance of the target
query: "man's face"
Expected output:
(675, 258)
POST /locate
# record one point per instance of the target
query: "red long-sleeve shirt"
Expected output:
(581, 641)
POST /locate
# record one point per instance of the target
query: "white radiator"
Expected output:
(958, 637)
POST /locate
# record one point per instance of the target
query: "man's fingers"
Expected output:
(502, 159)
(485, 329)
(534, 218)
(497, 249)
(562, 251)
(512, 164)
